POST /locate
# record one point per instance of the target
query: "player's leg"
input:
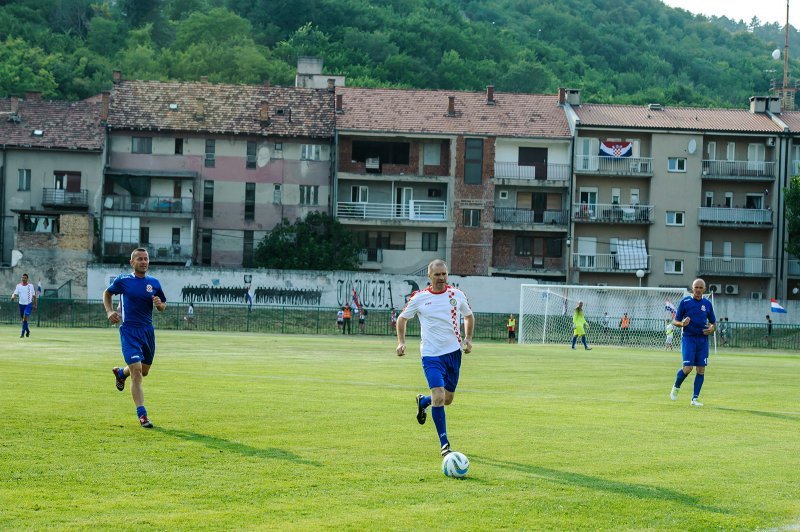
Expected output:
(701, 360)
(574, 339)
(687, 349)
(585, 343)
(435, 371)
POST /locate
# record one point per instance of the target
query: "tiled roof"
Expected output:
(63, 125)
(423, 111)
(791, 119)
(675, 118)
(227, 109)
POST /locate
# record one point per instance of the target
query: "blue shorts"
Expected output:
(25, 310)
(138, 344)
(695, 350)
(442, 371)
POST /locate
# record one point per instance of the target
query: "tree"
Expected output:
(792, 198)
(317, 243)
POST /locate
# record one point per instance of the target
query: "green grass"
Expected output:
(313, 432)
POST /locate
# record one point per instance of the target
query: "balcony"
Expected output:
(616, 166)
(613, 213)
(739, 170)
(610, 262)
(414, 210)
(60, 198)
(149, 205)
(738, 266)
(794, 268)
(508, 215)
(729, 216)
(547, 174)
(542, 267)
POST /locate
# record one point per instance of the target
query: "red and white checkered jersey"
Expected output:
(438, 317)
(25, 293)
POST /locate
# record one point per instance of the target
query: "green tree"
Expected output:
(792, 198)
(317, 243)
(24, 67)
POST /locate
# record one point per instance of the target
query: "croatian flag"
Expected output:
(669, 307)
(775, 307)
(616, 148)
(355, 299)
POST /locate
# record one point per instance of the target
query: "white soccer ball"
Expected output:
(455, 465)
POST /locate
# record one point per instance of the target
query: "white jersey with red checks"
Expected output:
(438, 318)
(25, 293)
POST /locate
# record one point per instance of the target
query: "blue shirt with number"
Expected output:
(700, 313)
(136, 295)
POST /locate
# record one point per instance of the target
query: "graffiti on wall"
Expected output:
(375, 293)
(204, 293)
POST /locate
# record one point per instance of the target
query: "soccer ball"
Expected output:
(455, 465)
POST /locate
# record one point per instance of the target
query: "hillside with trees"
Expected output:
(638, 51)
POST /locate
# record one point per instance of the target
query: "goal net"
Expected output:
(632, 316)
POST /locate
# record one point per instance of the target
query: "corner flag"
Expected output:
(775, 307)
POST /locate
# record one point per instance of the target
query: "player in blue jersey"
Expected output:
(695, 315)
(438, 307)
(139, 293)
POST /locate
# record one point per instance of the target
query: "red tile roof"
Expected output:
(425, 111)
(675, 118)
(228, 109)
(64, 125)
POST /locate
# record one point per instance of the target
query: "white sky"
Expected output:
(765, 10)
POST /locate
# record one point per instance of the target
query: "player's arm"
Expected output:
(469, 328)
(108, 305)
(401, 335)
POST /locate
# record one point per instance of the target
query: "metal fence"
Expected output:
(70, 313)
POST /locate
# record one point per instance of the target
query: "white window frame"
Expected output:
(432, 153)
(676, 164)
(310, 152)
(277, 194)
(309, 194)
(616, 195)
(143, 145)
(730, 151)
(676, 218)
(727, 250)
(729, 199)
(708, 248)
(24, 179)
(711, 150)
(471, 218)
(673, 266)
(634, 196)
(359, 194)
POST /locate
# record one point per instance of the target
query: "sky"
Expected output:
(766, 10)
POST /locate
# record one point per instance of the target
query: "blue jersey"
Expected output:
(136, 295)
(700, 312)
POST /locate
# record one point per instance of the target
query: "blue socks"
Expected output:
(583, 339)
(574, 338)
(141, 411)
(425, 401)
(679, 378)
(121, 373)
(698, 383)
(437, 412)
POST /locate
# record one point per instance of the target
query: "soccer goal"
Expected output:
(637, 317)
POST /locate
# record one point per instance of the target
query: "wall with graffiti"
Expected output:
(309, 288)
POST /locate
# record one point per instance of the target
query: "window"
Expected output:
(176, 236)
(208, 199)
(729, 199)
(141, 145)
(503, 194)
(65, 180)
(211, 149)
(359, 194)
(121, 229)
(205, 257)
(616, 196)
(709, 199)
(276, 195)
(522, 246)
(144, 235)
(673, 266)
(730, 151)
(382, 239)
(711, 150)
(247, 250)
(555, 247)
(473, 161)
(310, 152)
(634, 196)
(249, 201)
(24, 179)
(432, 153)
(675, 217)
(251, 154)
(278, 146)
(37, 223)
(309, 195)
(472, 217)
(676, 164)
(430, 241)
(178, 146)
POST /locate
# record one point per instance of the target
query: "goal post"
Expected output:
(616, 315)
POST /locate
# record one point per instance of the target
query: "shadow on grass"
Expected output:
(234, 447)
(776, 415)
(638, 491)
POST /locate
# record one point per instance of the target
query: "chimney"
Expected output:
(200, 109)
(562, 96)
(117, 76)
(490, 95)
(451, 106)
(14, 101)
(263, 113)
(573, 96)
(758, 104)
(33, 95)
(104, 109)
(203, 79)
(331, 84)
(339, 103)
(267, 83)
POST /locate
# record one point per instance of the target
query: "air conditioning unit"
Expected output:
(714, 288)
(731, 289)
(373, 163)
(771, 144)
(756, 295)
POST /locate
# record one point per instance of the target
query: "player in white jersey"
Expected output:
(26, 293)
(438, 307)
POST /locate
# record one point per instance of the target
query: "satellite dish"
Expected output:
(263, 157)
(692, 146)
(776, 54)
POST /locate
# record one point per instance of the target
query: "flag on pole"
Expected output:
(669, 307)
(776, 307)
(355, 300)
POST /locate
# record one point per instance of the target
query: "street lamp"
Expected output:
(640, 274)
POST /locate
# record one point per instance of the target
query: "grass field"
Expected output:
(312, 432)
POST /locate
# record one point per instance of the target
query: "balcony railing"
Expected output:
(370, 255)
(611, 262)
(526, 216)
(417, 210)
(740, 169)
(612, 213)
(732, 215)
(538, 172)
(151, 204)
(597, 164)
(794, 267)
(159, 251)
(748, 266)
(58, 197)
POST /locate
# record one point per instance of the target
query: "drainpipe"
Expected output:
(3, 206)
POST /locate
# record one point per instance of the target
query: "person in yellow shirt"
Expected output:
(580, 324)
(511, 325)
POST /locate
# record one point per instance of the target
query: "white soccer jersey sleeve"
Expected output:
(438, 318)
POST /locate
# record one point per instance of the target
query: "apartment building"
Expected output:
(480, 179)
(662, 195)
(199, 172)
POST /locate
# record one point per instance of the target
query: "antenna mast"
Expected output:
(786, 93)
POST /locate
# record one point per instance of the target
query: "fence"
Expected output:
(70, 313)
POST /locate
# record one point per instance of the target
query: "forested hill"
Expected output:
(632, 51)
